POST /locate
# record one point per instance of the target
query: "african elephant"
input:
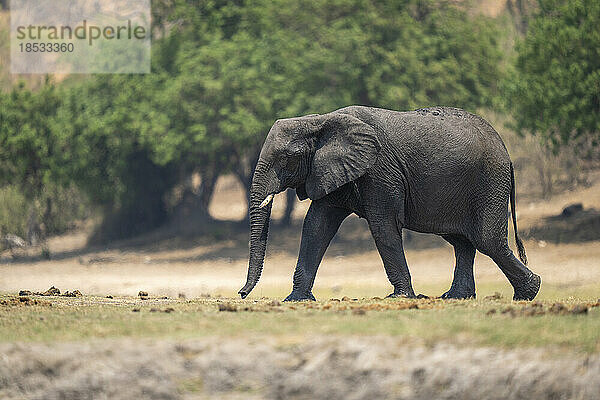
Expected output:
(435, 170)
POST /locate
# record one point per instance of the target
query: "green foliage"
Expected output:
(13, 216)
(102, 130)
(289, 57)
(27, 142)
(31, 163)
(68, 205)
(399, 55)
(555, 91)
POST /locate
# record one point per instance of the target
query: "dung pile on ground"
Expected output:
(228, 307)
(538, 308)
(52, 291)
(167, 310)
(374, 304)
(318, 368)
(346, 304)
(23, 301)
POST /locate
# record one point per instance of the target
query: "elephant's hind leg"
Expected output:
(463, 284)
(525, 283)
(388, 239)
(491, 238)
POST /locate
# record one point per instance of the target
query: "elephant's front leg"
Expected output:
(388, 239)
(320, 225)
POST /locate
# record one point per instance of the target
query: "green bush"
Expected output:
(67, 207)
(13, 212)
(555, 90)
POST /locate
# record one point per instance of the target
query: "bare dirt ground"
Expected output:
(296, 366)
(221, 268)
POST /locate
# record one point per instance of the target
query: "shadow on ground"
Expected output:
(575, 224)
(229, 239)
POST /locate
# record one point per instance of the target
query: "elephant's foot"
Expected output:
(401, 294)
(529, 290)
(459, 293)
(298, 296)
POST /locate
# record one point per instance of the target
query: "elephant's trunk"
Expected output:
(264, 186)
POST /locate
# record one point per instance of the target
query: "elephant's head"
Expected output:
(315, 154)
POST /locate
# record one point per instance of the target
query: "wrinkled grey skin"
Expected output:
(435, 170)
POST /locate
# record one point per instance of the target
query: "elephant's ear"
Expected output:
(345, 148)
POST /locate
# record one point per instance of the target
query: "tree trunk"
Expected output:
(207, 188)
(243, 168)
(47, 219)
(34, 231)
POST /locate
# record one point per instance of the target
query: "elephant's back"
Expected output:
(452, 132)
(443, 137)
(426, 125)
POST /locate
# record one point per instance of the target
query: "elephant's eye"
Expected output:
(291, 161)
(293, 149)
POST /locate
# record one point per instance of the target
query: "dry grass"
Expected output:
(225, 348)
(572, 324)
(315, 367)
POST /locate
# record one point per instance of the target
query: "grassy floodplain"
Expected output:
(572, 324)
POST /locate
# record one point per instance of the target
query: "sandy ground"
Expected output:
(314, 368)
(198, 270)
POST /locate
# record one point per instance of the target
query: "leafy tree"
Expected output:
(101, 131)
(396, 54)
(26, 141)
(555, 92)
(28, 148)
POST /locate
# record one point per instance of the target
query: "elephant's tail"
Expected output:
(513, 211)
